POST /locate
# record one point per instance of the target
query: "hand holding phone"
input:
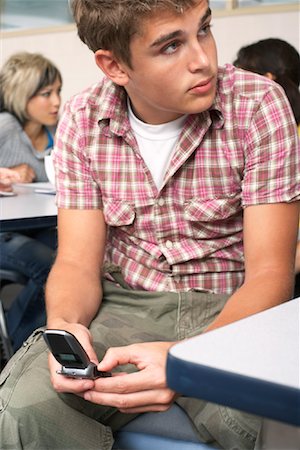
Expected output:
(68, 351)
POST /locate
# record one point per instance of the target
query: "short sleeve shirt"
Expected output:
(189, 234)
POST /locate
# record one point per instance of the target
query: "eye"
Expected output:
(171, 48)
(45, 94)
(204, 31)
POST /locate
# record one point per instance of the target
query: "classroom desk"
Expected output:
(28, 209)
(251, 365)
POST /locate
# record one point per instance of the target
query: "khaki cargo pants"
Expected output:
(34, 417)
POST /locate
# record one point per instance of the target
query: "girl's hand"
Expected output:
(7, 178)
(26, 173)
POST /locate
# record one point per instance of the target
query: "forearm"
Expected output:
(72, 294)
(257, 294)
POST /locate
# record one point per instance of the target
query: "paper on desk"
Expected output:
(40, 187)
(7, 193)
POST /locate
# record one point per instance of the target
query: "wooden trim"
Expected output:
(34, 31)
(231, 9)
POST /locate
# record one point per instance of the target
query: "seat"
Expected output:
(170, 430)
(6, 349)
(143, 441)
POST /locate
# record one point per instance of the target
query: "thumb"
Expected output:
(116, 356)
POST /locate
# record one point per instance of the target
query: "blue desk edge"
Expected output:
(248, 394)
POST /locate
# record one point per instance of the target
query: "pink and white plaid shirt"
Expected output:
(189, 235)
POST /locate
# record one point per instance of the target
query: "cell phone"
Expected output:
(68, 351)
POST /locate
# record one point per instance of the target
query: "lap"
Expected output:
(125, 317)
(33, 416)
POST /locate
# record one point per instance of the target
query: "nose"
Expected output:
(198, 58)
(56, 98)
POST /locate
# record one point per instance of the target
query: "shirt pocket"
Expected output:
(215, 217)
(118, 213)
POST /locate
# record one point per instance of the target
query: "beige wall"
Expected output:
(64, 48)
(79, 70)
(233, 32)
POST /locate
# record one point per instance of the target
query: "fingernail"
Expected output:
(87, 396)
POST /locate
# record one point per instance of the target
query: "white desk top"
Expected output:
(269, 342)
(261, 351)
(27, 205)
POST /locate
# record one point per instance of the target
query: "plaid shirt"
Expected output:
(189, 235)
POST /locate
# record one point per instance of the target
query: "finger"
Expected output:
(148, 408)
(133, 400)
(132, 382)
(86, 340)
(116, 356)
(61, 383)
(139, 355)
(5, 188)
(7, 181)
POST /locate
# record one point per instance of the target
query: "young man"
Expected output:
(177, 182)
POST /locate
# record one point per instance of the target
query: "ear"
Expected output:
(270, 76)
(111, 67)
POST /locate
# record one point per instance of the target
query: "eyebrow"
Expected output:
(174, 34)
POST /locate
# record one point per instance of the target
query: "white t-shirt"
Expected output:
(156, 143)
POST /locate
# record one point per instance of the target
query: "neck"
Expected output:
(37, 135)
(33, 130)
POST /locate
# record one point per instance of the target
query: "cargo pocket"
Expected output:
(17, 364)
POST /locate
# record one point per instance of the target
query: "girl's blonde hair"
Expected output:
(21, 78)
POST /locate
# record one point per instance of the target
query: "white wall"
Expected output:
(79, 70)
(233, 32)
(64, 48)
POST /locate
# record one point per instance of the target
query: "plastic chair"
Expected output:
(170, 430)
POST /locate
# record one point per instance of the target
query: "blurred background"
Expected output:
(46, 26)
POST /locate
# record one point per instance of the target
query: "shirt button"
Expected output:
(169, 244)
(161, 202)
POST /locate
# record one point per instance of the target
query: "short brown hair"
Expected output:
(110, 24)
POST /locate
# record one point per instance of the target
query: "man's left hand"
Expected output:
(141, 391)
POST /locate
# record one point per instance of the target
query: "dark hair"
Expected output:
(278, 58)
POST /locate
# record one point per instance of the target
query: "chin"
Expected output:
(51, 123)
(201, 106)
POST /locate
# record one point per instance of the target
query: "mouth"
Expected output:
(203, 86)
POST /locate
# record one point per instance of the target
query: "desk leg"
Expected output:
(279, 436)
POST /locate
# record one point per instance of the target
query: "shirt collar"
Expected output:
(113, 111)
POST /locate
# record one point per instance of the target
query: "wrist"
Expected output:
(58, 323)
